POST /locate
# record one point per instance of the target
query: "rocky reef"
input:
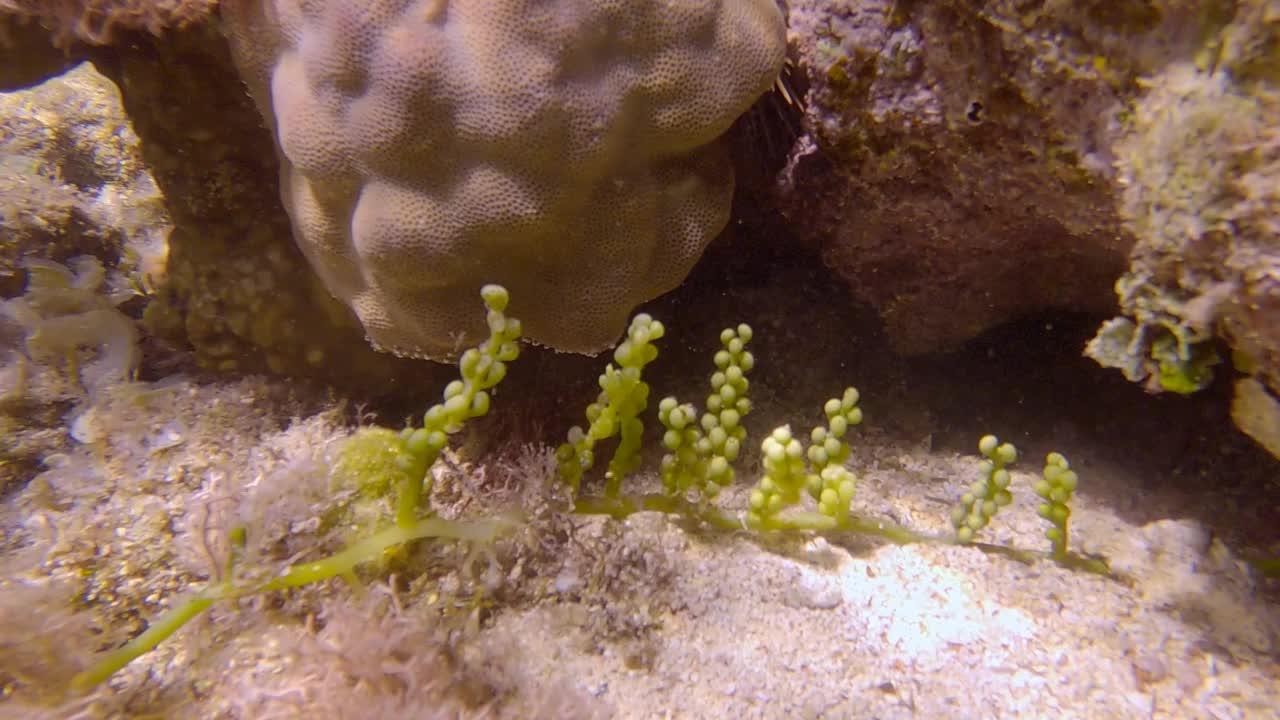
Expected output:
(938, 203)
(957, 166)
(962, 165)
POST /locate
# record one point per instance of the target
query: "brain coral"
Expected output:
(567, 149)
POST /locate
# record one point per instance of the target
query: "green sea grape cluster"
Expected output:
(832, 484)
(701, 454)
(985, 497)
(1057, 486)
(624, 396)
(404, 459)
(481, 367)
(701, 450)
(990, 493)
(790, 468)
(785, 477)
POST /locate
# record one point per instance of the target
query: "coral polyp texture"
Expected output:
(568, 150)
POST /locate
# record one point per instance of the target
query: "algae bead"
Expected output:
(495, 296)
(987, 445)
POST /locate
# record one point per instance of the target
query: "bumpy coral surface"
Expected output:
(567, 150)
